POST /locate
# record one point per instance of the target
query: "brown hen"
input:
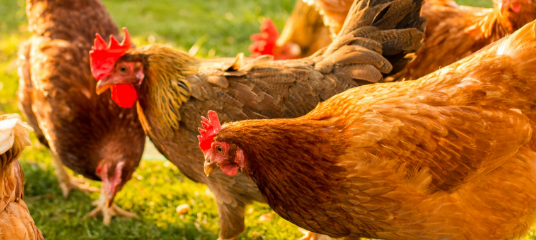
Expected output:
(449, 156)
(15, 220)
(175, 89)
(89, 134)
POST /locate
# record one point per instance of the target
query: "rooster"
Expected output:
(449, 156)
(87, 133)
(172, 89)
(15, 220)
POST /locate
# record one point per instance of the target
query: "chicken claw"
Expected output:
(67, 182)
(76, 183)
(108, 212)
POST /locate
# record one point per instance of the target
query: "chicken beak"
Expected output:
(109, 200)
(209, 166)
(103, 85)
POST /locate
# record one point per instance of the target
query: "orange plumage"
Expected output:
(454, 32)
(449, 156)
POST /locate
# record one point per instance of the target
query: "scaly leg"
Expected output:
(108, 212)
(67, 183)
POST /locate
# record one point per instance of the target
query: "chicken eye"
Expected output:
(219, 149)
(123, 69)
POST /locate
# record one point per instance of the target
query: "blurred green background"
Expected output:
(215, 28)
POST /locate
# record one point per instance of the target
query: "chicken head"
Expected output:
(227, 156)
(120, 78)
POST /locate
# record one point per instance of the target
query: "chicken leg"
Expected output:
(108, 212)
(231, 220)
(67, 182)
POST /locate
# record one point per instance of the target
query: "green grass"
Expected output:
(218, 28)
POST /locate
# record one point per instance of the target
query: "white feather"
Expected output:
(12, 129)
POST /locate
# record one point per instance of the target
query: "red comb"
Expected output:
(103, 57)
(265, 41)
(212, 127)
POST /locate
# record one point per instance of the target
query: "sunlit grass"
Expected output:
(218, 28)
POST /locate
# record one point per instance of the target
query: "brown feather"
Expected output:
(57, 92)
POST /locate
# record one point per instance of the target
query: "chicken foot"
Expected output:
(108, 212)
(67, 182)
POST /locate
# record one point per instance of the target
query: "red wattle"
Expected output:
(125, 95)
(230, 169)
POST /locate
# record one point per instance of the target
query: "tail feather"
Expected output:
(378, 33)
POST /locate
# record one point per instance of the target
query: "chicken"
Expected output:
(310, 27)
(452, 32)
(334, 12)
(171, 89)
(15, 220)
(87, 133)
(451, 155)
(303, 35)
